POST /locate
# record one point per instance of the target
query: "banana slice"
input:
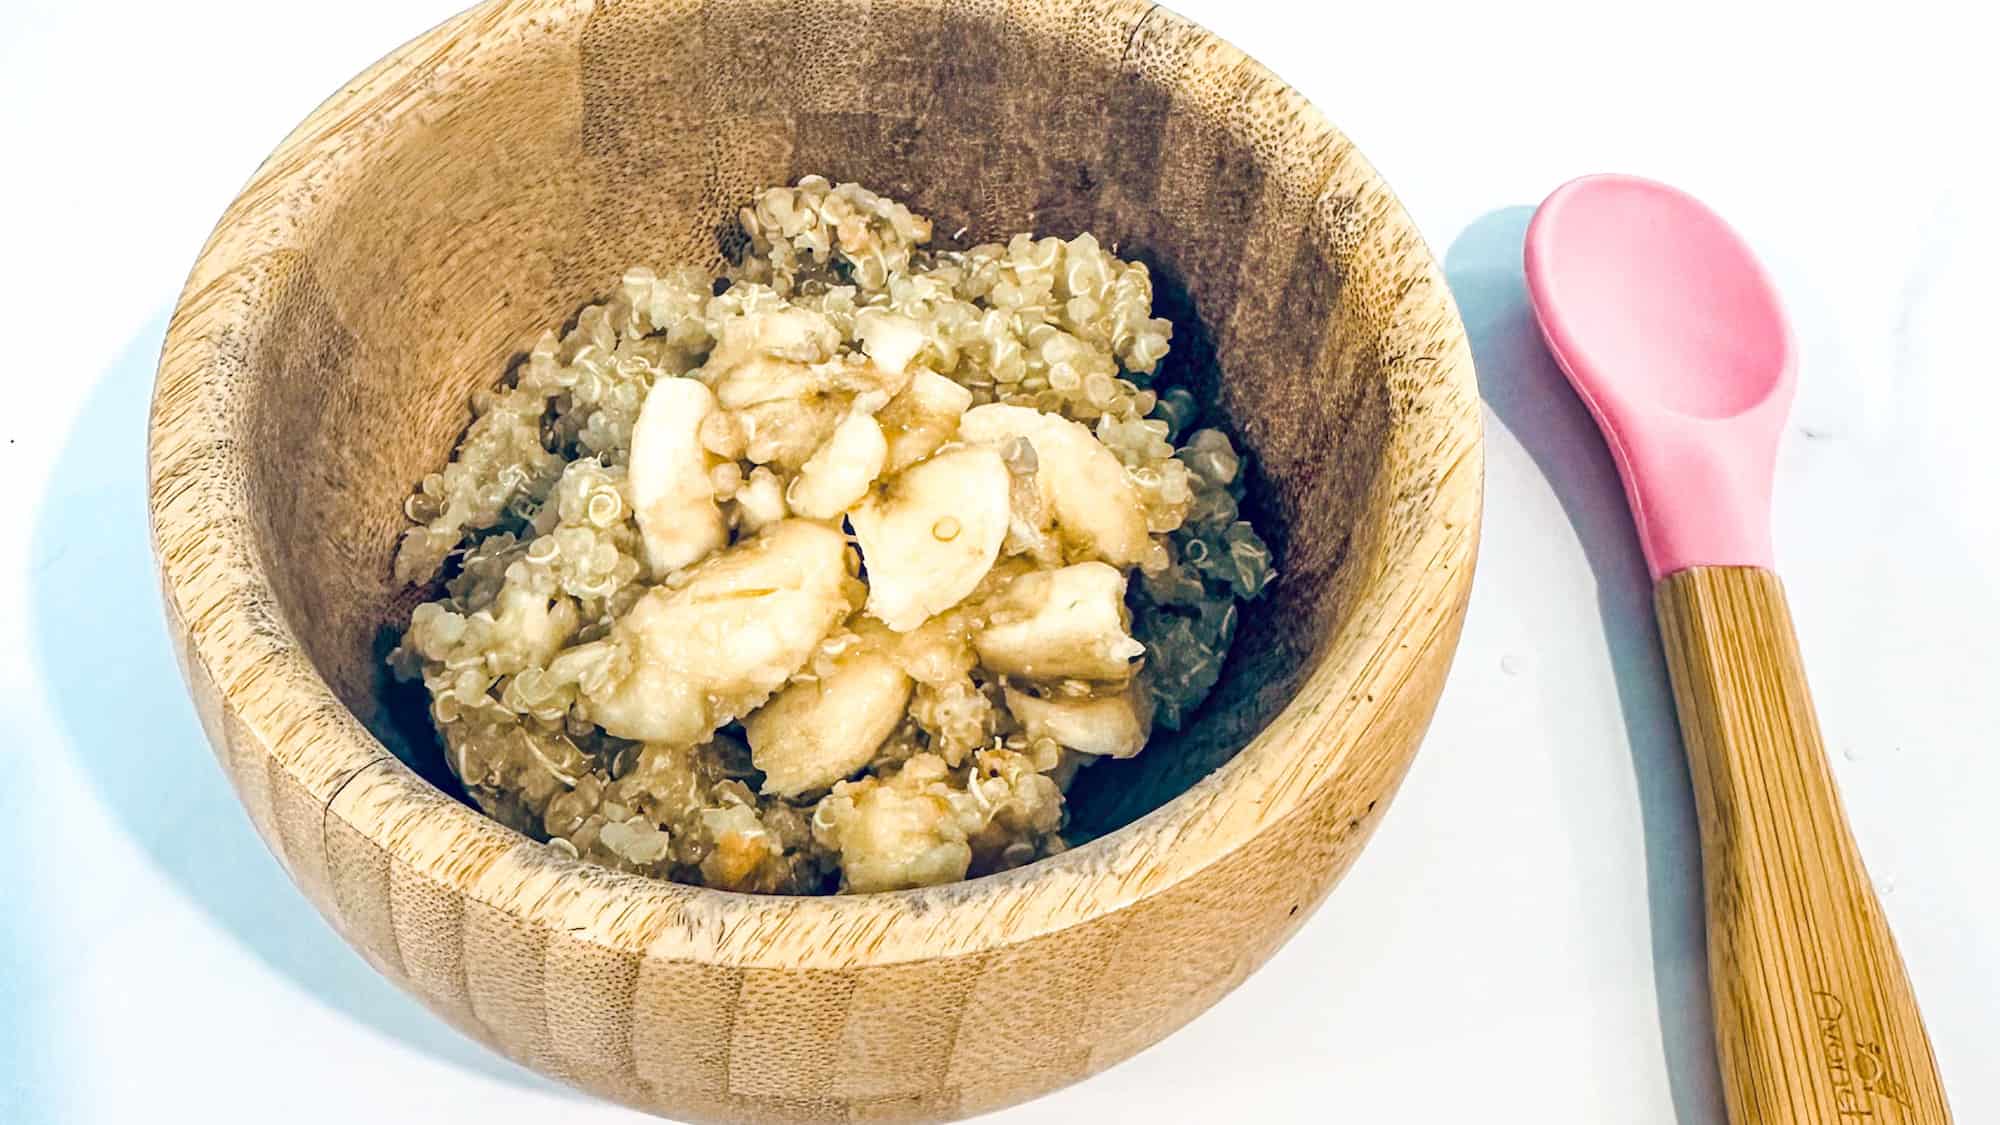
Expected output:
(785, 432)
(673, 498)
(716, 648)
(893, 835)
(785, 406)
(1111, 726)
(813, 734)
(1061, 624)
(838, 475)
(788, 332)
(920, 420)
(933, 535)
(892, 343)
(760, 502)
(531, 626)
(1082, 483)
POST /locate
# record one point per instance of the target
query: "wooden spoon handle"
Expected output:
(1814, 1016)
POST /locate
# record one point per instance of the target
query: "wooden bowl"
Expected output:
(485, 181)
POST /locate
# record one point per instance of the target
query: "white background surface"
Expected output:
(1520, 943)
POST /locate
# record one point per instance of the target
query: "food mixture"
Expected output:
(832, 574)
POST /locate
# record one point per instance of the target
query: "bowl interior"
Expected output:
(490, 209)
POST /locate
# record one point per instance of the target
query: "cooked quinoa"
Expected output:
(832, 574)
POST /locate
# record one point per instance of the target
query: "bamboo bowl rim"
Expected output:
(237, 635)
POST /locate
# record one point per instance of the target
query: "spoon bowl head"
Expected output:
(1674, 336)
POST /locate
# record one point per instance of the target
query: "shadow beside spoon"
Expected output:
(1528, 395)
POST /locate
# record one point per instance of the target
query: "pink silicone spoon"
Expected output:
(1673, 336)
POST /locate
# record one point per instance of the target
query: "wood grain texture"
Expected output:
(1815, 1018)
(492, 176)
